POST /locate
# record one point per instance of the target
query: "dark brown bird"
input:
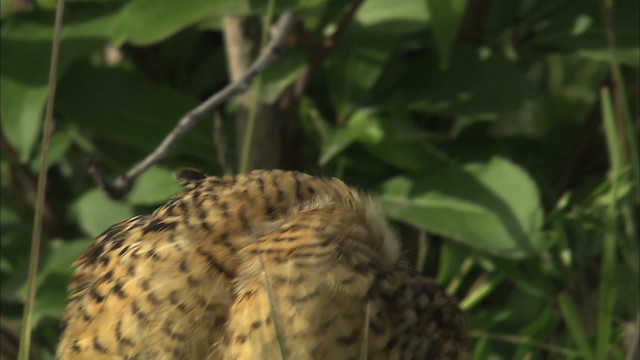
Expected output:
(267, 265)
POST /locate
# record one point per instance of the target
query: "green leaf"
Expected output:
(574, 323)
(144, 22)
(126, 108)
(155, 186)
(478, 83)
(398, 142)
(393, 17)
(366, 47)
(362, 122)
(5, 265)
(60, 143)
(579, 27)
(280, 75)
(61, 254)
(53, 278)
(51, 298)
(494, 207)
(96, 212)
(24, 65)
(445, 21)
(21, 113)
(356, 65)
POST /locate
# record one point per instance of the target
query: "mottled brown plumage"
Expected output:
(253, 266)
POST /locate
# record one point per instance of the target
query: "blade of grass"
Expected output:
(27, 317)
(272, 307)
(538, 330)
(455, 283)
(606, 296)
(576, 328)
(515, 339)
(627, 137)
(624, 121)
(480, 292)
(244, 167)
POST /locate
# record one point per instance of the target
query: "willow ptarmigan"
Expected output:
(266, 265)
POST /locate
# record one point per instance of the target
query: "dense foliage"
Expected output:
(500, 135)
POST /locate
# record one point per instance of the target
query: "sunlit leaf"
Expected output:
(395, 17)
(149, 21)
(96, 212)
(358, 125)
(24, 65)
(155, 186)
(494, 207)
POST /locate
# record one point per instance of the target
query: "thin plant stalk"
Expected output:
(574, 324)
(606, 299)
(27, 317)
(257, 85)
(244, 167)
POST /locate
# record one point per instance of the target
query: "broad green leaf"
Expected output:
(24, 65)
(96, 212)
(145, 22)
(59, 145)
(366, 47)
(128, 109)
(155, 186)
(493, 207)
(21, 112)
(393, 17)
(51, 298)
(395, 140)
(409, 156)
(356, 65)
(361, 122)
(61, 254)
(478, 83)
(53, 278)
(445, 21)
(260, 6)
(389, 137)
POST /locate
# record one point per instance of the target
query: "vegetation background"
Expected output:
(500, 135)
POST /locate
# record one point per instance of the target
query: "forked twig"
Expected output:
(272, 51)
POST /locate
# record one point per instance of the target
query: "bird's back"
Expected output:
(262, 265)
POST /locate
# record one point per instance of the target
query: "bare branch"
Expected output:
(272, 51)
